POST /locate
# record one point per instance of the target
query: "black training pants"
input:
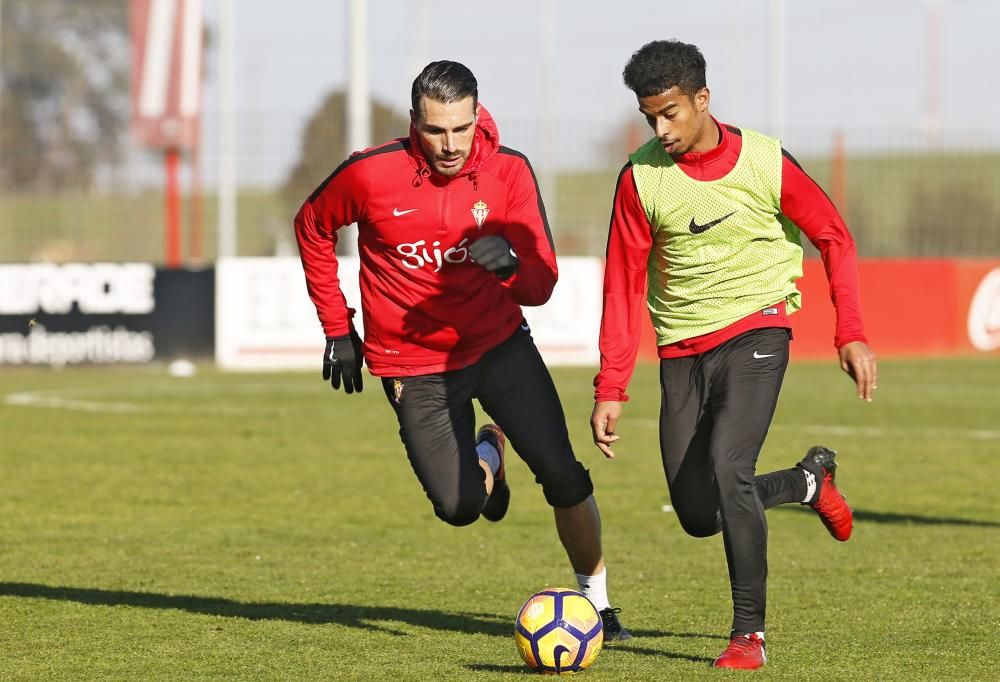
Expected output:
(437, 424)
(715, 413)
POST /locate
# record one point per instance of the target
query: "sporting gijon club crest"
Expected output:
(479, 211)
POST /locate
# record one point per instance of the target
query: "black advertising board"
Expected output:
(104, 313)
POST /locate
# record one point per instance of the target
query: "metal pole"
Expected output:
(838, 175)
(196, 250)
(227, 131)
(358, 101)
(419, 32)
(932, 72)
(1, 58)
(547, 35)
(776, 71)
(738, 19)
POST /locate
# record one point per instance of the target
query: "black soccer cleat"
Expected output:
(499, 500)
(829, 502)
(820, 458)
(613, 630)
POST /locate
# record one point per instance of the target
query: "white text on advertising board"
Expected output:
(95, 288)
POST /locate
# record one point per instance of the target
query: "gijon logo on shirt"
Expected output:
(417, 254)
(479, 212)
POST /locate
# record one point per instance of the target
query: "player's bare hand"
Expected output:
(603, 423)
(858, 360)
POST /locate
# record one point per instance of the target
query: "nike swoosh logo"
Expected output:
(396, 212)
(698, 229)
(759, 356)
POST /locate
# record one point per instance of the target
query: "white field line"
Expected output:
(881, 432)
(87, 399)
(55, 402)
(947, 388)
(861, 431)
(62, 399)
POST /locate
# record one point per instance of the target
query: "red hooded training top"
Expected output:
(426, 306)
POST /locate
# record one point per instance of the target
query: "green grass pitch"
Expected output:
(258, 526)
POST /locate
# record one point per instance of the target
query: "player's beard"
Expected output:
(450, 170)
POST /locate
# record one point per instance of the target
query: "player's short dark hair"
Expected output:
(660, 65)
(446, 82)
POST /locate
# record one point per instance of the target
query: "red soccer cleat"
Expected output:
(745, 652)
(829, 502)
(498, 501)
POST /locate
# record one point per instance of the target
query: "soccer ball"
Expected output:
(558, 631)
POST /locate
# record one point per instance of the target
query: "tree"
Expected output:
(65, 82)
(324, 143)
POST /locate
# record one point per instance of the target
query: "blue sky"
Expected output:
(552, 77)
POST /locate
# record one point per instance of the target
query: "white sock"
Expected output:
(489, 454)
(810, 485)
(595, 588)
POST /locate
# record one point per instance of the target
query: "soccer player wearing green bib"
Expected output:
(705, 234)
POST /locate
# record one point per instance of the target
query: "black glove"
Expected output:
(494, 254)
(343, 358)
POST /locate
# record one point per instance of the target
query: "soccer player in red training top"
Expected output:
(453, 239)
(703, 218)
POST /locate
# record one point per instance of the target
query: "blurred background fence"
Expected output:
(940, 201)
(74, 186)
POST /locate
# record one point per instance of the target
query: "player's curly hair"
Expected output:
(660, 65)
(444, 81)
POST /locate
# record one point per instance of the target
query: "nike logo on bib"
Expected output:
(759, 356)
(396, 212)
(698, 229)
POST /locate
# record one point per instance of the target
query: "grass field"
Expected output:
(260, 527)
(130, 227)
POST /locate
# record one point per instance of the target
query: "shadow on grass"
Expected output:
(362, 617)
(638, 632)
(659, 653)
(889, 517)
(350, 615)
(613, 650)
(509, 669)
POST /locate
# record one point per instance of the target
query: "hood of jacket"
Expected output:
(485, 144)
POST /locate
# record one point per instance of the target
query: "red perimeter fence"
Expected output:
(911, 307)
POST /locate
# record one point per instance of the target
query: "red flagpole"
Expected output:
(172, 157)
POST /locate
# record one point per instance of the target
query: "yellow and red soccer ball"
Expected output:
(558, 631)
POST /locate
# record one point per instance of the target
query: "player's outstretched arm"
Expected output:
(603, 424)
(858, 360)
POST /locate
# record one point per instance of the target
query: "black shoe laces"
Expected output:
(610, 619)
